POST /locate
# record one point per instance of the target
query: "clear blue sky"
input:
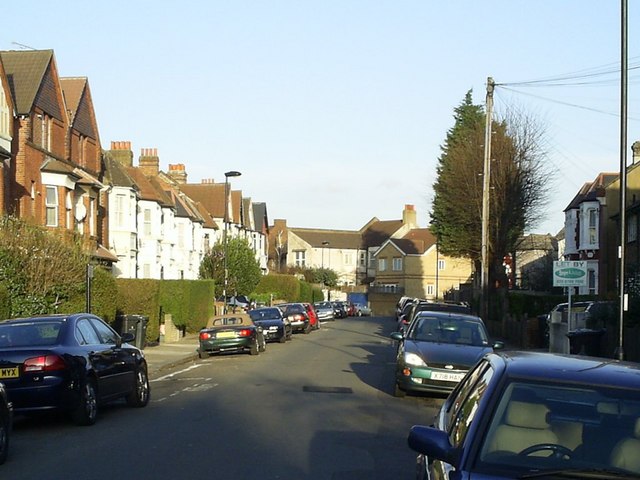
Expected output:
(334, 110)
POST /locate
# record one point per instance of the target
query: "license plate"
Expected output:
(11, 372)
(446, 376)
(226, 335)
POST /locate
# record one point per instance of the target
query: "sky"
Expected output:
(335, 111)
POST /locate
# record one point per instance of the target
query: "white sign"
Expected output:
(570, 273)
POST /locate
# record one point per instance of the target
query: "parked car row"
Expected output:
(250, 332)
(68, 363)
(437, 344)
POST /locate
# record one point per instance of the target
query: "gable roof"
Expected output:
(416, 242)
(591, 191)
(77, 99)
(211, 195)
(375, 233)
(116, 174)
(260, 217)
(341, 239)
(30, 82)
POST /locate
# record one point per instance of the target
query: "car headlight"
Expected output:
(414, 360)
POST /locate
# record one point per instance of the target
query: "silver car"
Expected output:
(325, 311)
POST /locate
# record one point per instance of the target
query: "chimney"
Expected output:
(635, 148)
(149, 162)
(121, 151)
(178, 173)
(409, 216)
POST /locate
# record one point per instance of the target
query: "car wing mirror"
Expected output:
(126, 337)
(398, 336)
(498, 345)
(433, 443)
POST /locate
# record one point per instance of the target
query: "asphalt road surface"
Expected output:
(318, 407)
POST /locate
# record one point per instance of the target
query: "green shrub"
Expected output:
(284, 287)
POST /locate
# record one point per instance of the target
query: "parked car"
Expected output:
(420, 305)
(233, 332)
(6, 422)
(325, 311)
(274, 325)
(362, 310)
(339, 309)
(437, 351)
(536, 415)
(73, 363)
(297, 315)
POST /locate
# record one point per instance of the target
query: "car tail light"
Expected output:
(245, 332)
(298, 317)
(205, 335)
(44, 363)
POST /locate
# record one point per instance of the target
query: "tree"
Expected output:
(519, 186)
(243, 269)
(39, 268)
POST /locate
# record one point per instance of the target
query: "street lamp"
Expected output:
(324, 277)
(232, 173)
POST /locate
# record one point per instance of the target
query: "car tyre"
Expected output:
(255, 350)
(139, 397)
(398, 392)
(202, 354)
(5, 427)
(87, 410)
(262, 346)
(307, 329)
(283, 338)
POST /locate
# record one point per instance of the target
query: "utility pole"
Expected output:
(623, 171)
(486, 188)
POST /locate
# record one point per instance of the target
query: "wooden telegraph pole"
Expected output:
(486, 188)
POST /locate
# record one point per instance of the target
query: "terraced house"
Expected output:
(134, 219)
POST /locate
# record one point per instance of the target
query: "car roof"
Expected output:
(448, 315)
(231, 319)
(567, 369)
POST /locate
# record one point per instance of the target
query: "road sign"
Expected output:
(570, 273)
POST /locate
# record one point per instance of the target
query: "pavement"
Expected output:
(163, 356)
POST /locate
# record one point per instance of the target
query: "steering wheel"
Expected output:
(559, 451)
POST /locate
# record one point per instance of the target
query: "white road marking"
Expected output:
(176, 373)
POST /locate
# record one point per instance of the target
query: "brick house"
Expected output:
(56, 176)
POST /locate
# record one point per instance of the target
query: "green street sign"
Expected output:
(570, 273)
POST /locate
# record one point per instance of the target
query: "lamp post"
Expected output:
(324, 278)
(224, 235)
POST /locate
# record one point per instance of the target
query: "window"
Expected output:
(4, 115)
(300, 258)
(51, 204)
(591, 279)
(85, 333)
(632, 228)
(431, 290)
(105, 333)
(348, 258)
(92, 216)
(397, 264)
(147, 222)
(119, 213)
(593, 226)
(382, 264)
(441, 265)
(363, 259)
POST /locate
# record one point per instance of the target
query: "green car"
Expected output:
(231, 333)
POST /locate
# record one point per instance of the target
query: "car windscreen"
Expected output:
(27, 334)
(265, 314)
(448, 330)
(590, 427)
(294, 309)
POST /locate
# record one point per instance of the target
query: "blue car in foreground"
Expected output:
(536, 415)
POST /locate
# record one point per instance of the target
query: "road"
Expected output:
(318, 407)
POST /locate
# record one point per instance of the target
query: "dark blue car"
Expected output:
(72, 363)
(536, 415)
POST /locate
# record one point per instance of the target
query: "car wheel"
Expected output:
(262, 346)
(202, 354)
(308, 329)
(255, 350)
(139, 397)
(283, 338)
(398, 392)
(87, 410)
(4, 438)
